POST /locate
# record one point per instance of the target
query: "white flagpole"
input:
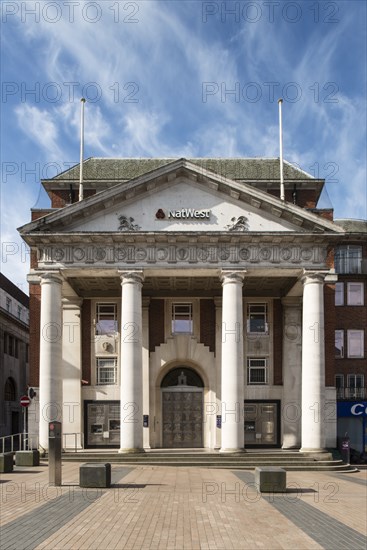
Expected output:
(82, 102)
(280, 101)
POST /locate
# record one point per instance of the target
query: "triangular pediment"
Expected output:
(180, 197)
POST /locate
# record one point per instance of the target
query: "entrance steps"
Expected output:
(248, 460)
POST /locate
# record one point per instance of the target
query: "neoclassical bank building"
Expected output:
(182, 304)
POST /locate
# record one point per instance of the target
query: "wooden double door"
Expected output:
(182, 410)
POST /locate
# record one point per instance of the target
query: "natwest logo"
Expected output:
(189, 213)
(183, 214)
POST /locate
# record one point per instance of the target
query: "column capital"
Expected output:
(232, 276)
(313, 277)
(131, 277)
(51, 277)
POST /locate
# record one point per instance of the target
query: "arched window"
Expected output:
(10, 391)
(182, 376)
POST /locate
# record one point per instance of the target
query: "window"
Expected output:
(8, 305)
(257, 371)
(106, 319)
(355, 343)
(339, 343)
(355, 387)
(257, 318)
(16, 348)
(348, 259)
(182, 319)
(10, 391)
(19, 312)
(339, 294)
(355, 294)
(339, 384)
(10, 345)
(106, 371)
(6, 342)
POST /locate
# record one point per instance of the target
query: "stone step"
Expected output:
(246, 461)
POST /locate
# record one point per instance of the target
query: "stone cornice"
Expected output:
(41, 239)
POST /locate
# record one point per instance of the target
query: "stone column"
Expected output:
(50, 354)
(292, 372)
(131, 363)
(232, 374)
(145, 337)
(71, 367)
(313, 363)
(218, 369)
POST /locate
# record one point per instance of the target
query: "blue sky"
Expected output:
(179, 79)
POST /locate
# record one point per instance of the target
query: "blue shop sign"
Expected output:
(352, 408)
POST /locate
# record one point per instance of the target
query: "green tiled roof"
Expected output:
(352, 226)
(235, 168)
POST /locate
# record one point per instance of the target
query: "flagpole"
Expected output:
(81, 194)
(280, 101)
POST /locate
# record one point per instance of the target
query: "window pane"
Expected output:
(339, 294)
(106, 370)
(355, 294)
(339, 343)
(182, 318)
(256, 371)
(257, 321)
(106, 319)
(355, 343)
(348, 259)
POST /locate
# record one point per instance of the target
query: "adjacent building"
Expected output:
(350, 334)
(182, 304)
(14, 351)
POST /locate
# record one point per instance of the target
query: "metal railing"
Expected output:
(18, 442)
(351, 393)
(78, 441)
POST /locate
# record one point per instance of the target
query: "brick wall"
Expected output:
(86, 340)
(34, 333)
(277, 342)
(61, 197)
(207, 323)
(156, 323)
(305, 198)
(329, 324)
(352, 318)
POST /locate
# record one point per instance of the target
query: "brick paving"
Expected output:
(152, 507)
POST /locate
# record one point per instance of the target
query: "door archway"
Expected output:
(182, 408)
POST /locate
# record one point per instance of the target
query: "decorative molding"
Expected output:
(127, 224)
(307, 256)
(238, 224)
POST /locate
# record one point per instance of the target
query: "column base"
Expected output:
(131, 451)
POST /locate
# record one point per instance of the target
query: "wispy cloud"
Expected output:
(39, 125)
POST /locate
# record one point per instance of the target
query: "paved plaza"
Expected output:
(152, 507)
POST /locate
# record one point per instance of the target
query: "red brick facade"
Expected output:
(278, 342)
(86, 318)
(207, 323)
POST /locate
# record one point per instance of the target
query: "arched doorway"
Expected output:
(182, 409)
